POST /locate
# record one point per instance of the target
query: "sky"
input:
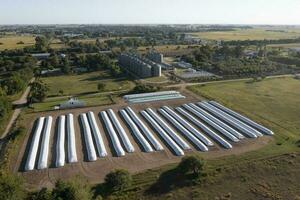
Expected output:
(150, 12)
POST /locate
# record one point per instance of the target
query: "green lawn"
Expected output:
(84, 83)
(90, 100)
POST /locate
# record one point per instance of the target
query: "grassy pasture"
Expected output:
(273, 102)
(84, 83)
(89, 100)
(10, 41)
(248, 34)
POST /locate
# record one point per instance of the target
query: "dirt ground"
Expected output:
(133, 162)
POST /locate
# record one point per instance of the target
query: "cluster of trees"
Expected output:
(95, 62)
(261, 42)
(54, 61)
(5, 105)
(84, 47)
(144, 88)
(38, 92)
(230, 60)
(116, 183)
(17, 81)
(286, 60)
(10, 63)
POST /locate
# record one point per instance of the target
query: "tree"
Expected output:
(72, 190)
(11, 187)
(118, 180)
(191, 164)
(143, 88)
(14, 84)
(66, 66)
(5, 105)
(53, 59)
(61, 92)
(38, 92)
(43, 194)
(41, 43)
(101, 87)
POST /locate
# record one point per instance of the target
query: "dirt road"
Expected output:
(17, 111)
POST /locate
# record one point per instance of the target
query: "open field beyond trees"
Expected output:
(85, 83)
(249, 34)
(10, 41)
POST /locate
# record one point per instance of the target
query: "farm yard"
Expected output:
(83, 87)
(142, 159)
(86, 116)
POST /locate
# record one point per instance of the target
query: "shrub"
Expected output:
(191, 164)
(11, 187)
(71, 190)
(118, 180)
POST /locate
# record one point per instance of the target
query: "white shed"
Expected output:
(72, 103)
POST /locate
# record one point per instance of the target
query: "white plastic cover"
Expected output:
(176, 149)
(43, 159)
(91, 153)
(229, 120)
(113, 135)
(34, 145)
(208, 131)
(243, 118)
(129, 147)
(72, 154)
(188, 126)
(97, 135)
(60, 145)
(213, 124)
(145, 130)
(184, 131)
(169, 130)
(136, 132)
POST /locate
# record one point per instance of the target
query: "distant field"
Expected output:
(248, 34)
(84, 83)
(10, 41)
(166, 48)
(292, 45)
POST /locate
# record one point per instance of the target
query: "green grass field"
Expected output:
(271, 172)
(274, 102)
(248, 34)
(89, 100)
(84, 83)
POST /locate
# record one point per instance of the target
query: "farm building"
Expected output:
(142, 67)
(72, 103)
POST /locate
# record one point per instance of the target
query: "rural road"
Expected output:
(17, 111)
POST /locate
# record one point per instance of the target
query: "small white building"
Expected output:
(72, 103)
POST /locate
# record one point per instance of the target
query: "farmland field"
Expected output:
(84, 83)
(10, 41)
(248, 34)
